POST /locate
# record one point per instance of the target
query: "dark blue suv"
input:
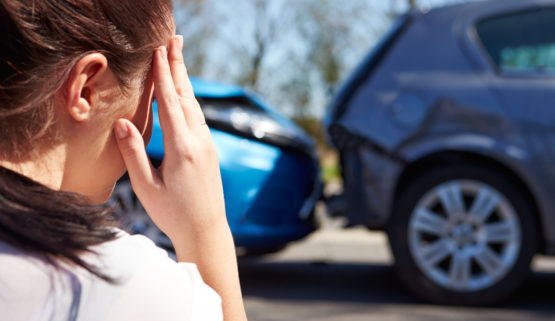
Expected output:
(446, 134)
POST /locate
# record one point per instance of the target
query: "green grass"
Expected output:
(330, 172)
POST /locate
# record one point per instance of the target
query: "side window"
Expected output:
(521, 42)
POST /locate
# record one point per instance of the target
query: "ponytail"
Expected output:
(57, 225)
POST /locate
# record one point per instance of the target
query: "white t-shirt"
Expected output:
(150, 286)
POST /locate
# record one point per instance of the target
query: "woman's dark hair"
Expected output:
(42, 41)
(54, 224)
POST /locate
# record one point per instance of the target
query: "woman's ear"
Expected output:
(83, 85)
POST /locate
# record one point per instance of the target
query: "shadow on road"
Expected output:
(364, 283)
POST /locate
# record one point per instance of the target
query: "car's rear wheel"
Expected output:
(463, 234)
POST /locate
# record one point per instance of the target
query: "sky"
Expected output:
(231, 41)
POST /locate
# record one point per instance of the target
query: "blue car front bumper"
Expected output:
(270, 191)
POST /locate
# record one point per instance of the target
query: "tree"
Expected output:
(197, 28)
(264, 34)
(334, 30)
(295, 53)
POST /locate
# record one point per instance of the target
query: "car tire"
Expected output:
(135, 220)
(448, 249)
(133, 217)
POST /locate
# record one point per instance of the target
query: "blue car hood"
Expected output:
(207, 89)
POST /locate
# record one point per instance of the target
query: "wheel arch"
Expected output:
(451, 157)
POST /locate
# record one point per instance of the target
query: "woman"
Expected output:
(77, 80)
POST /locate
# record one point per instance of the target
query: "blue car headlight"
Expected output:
(246, 120)
(243, 117)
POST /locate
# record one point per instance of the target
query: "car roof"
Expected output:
(487, 5)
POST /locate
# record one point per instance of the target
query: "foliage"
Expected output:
(294, 53)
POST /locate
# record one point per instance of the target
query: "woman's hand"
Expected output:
(184, 196)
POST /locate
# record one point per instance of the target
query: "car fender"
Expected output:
(515, 158)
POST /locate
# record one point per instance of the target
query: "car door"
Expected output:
(520, 46)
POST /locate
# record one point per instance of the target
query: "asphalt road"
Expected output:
(346, 275)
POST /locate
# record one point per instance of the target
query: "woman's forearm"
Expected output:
(184, 196)
(213, 251)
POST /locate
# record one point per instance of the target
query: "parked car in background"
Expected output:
(269, 170)
(446, 134)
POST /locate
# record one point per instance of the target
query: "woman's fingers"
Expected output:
(182, 84)
(132, 149)
(179, 71)
(172, 120)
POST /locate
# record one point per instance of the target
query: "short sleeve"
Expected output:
(207, 304)
(155, 287)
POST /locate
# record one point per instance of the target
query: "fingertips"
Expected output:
(160, 60)
(171, 115)
(182, 83)
(176, 50)
(160, 57)
(121, 130)
(128, 137)
(163, 50)
(178, 69)
(131, 147)
(178, 42)
(176, 47)
(163, 82)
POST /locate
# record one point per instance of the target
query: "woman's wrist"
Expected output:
(213, 251)
(194, 241)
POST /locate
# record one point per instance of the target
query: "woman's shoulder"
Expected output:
(151, 285)
(148, 284)
(30, 287)
(127, 252)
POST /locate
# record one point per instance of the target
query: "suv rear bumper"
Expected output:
(369, 185)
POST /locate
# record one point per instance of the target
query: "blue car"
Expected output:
(268, 165)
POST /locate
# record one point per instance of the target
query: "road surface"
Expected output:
(346, 275)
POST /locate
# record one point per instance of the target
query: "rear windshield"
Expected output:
(522, 42)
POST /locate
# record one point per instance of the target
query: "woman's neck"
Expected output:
(46, 168)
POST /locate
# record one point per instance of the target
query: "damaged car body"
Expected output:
(268, 165)
(446, 140)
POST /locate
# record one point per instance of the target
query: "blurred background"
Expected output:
(381, 159)
(295, 54)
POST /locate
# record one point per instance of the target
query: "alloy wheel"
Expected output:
(464, 235)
